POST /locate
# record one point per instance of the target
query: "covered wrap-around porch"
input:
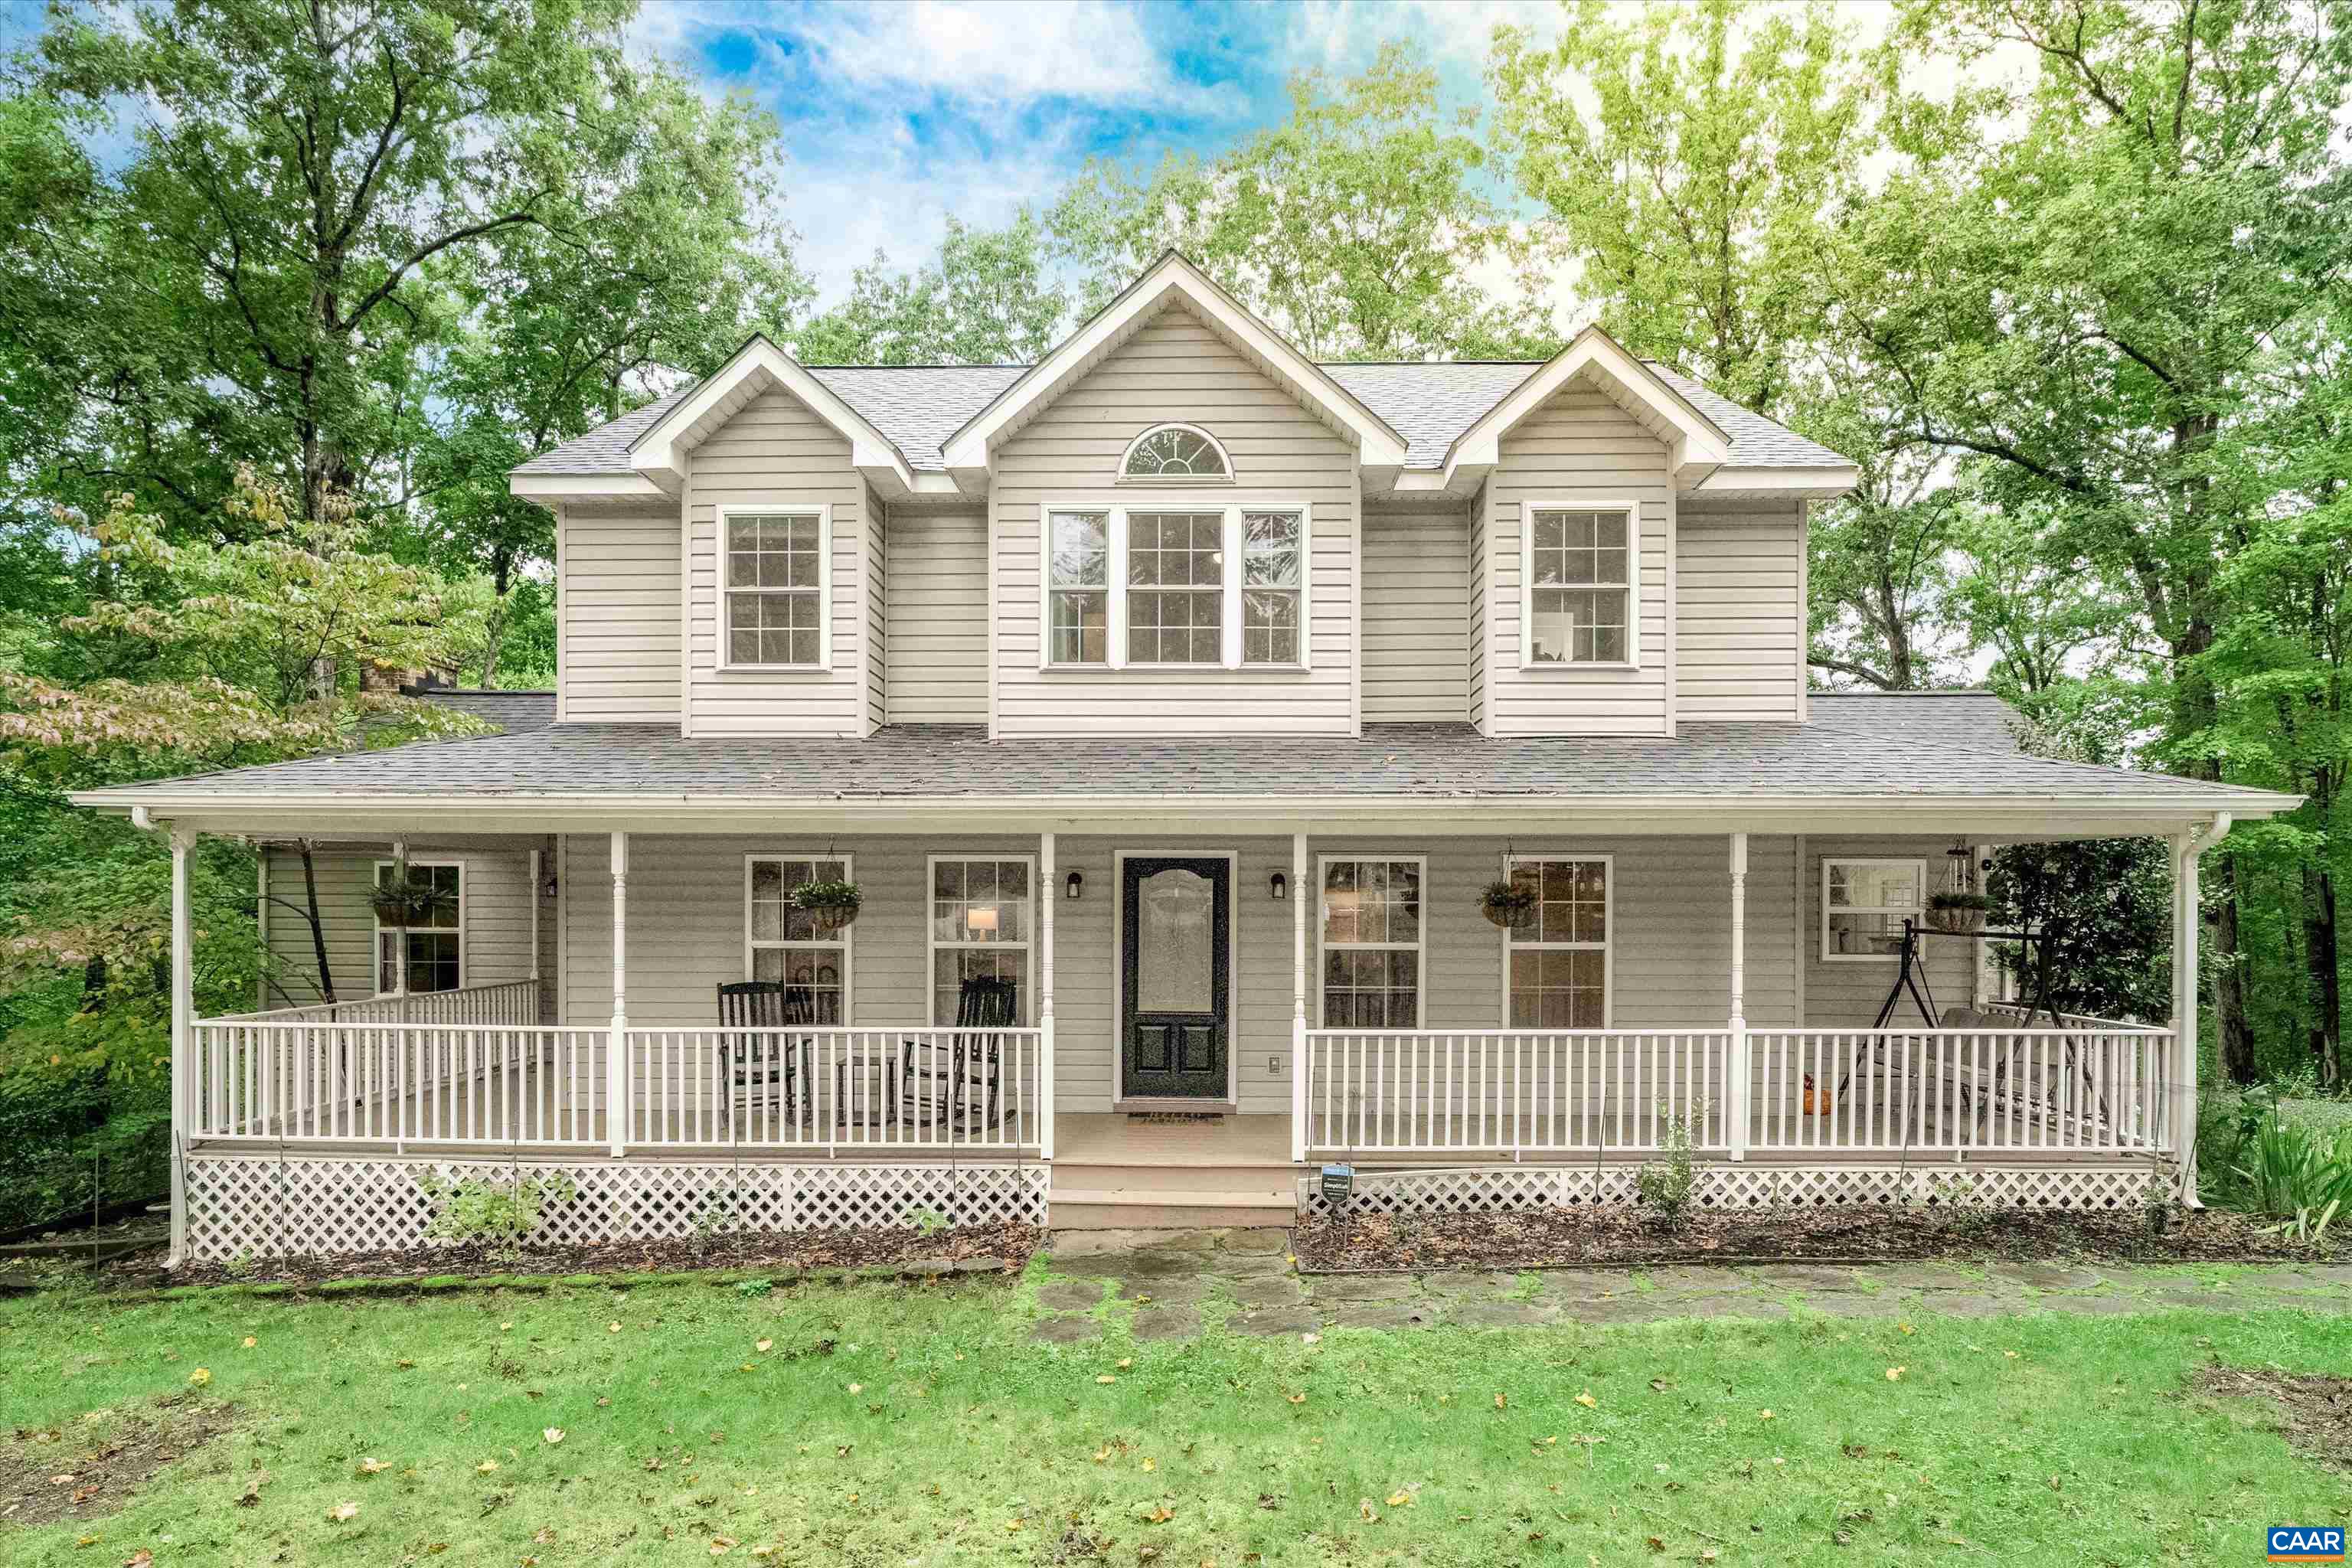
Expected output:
(479, 1070)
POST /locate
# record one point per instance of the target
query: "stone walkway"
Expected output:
(1177, 1282)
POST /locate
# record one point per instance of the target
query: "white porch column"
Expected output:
(1735, 1068)
(1048, 895)
(1303, 893)
(617, 1052)
(2186, 919)
(184, 1085)
(400, 937)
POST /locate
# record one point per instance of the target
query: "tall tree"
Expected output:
(987, 298)
(296, 170)
(1685, 158)
(2073, 279)
(1362, 225)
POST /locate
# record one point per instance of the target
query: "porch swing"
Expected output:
(1912, 980)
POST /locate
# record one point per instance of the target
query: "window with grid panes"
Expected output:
(774, 590)
(1274, 565)
(1559, 950)
(981, 916)
(1371, 943)
(1078, 588)
(785, 945)
(1175, 587)
(1580, 598)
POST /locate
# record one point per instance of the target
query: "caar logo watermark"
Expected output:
(2306, 1544)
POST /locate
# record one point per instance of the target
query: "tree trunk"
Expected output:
(2320, 961)
(2234, 1042)
(318, 928)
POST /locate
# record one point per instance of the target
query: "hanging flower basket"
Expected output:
(1506, 903)
(404, 903)
(830, 905)
(1958, 912)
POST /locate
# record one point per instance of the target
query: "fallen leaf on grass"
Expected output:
(1105, 1378)
(344, 1513)
(372, 1466)
(1158, 1515)
(1150, 1463)
(1587, 1400)
(554, 1435)
(1401, 1499)
(1296, 1398)
(139, 1559)
(764, 1346)
(487, 1465)
(1764, 1416)
(200, 1376)
(612, 1327)
(1364, 1506)
(1895, 1373)
(250, 1342)
(721, 1545)
(1126, 1361)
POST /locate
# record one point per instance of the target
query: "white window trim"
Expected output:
(375, 949)
(932, 945)
(1227, 477)
(1633, 510)
(1917, 867)
(822, 513)
(844, 939)
(1323, 945)
(1607, 948)
(1116, 513)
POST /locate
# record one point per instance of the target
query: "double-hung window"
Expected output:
(775, 582)
(784, 944)
(1559, 950)
(1579, 570)
(983, 911)
(1371, 943)
(1175, 586)
(1864, 904)
(435, 932)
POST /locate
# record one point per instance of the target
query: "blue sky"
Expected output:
(897, 116)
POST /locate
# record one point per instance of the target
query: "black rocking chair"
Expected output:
(749, 1062)
(975, 1058)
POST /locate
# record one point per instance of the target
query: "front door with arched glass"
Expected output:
(1175, 976)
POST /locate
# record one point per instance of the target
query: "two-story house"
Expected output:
(1243, 764)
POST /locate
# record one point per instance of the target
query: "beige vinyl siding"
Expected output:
(1416, 617)
(1577, 447)
(776, 453)
(495, 885)
(1848, 993)
(937, 626)
(617, 592)
(1175, 369)
(1739, 610)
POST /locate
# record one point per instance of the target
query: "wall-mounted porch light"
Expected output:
(1278, 886)
(1074, 886)
(547, 886)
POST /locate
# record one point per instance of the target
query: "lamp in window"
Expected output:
(981, 921)
(1279, 887)
(1074, 887)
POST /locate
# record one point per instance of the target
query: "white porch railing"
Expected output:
(292, 1079)
(505, 1002)
(1511, 1090)
(1873, 1092)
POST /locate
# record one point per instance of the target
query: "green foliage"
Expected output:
(1357, 226)
(499, 1213)
(2290, 1170)
(1665, 1184)
(85, 1113)
(987, 298)
(926, 1222)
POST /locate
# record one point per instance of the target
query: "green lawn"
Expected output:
(904, 1424)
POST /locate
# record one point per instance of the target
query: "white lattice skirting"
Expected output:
(266, 1207)
(1504, 1189)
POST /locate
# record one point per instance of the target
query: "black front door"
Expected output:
(1176, 986)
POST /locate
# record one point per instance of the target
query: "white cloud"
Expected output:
(1089, 52)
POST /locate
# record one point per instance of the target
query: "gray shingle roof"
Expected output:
(1889, 746)
(917, 407)
(516, 712)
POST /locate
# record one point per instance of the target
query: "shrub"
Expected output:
(2290, 1170)
(85, 1114)
(501, 1214)
(1665, 1184)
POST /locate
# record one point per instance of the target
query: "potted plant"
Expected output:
(1957, 912)
(1508, 904)
(832, 905)
(402, 903)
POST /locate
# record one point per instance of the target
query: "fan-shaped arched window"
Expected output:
(1175, 452)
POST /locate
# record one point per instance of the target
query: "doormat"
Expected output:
(1156, 1118)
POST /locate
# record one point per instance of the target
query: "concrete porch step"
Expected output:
(1084, 1208)
(1224, 1176)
